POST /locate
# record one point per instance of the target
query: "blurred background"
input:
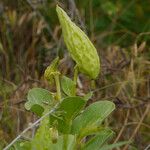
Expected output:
(30, 38)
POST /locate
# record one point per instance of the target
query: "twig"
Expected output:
(134, 123)
(138, 126)
(117, 83)
(147, 148)
(30, 127)
(123, 127)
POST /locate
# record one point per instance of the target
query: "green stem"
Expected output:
(65, 141)
(75, 76)
(93, 84)
(56, 76)
(77, 145)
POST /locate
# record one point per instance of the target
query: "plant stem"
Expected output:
(65, 141)
(93, 84)
(75, 76)
(56, 77)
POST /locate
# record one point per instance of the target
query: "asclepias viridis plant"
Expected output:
(69, 125)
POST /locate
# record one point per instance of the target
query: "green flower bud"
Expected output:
(80, 47)
(51, 70)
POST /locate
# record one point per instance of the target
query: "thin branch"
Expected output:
(138, 126)
(123, 127)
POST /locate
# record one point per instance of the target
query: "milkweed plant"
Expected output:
(65, 122)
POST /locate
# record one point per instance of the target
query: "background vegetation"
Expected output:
(30, 38)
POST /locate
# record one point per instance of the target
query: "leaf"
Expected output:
(91, 130)
(37, 109)
(98, 140)
(68, 86)
(71, 106)
(70, 143)
(25, 146)
(115, 145)
(68, 109)
(21, 145)
(42, 139)
(93, 115)
(38, 98)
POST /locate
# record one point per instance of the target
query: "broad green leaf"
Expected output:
(93, 115)
(115, 145)
(37, 109)
(71, 139)
(38, 98)
(71, 106)
(91, 130)
(68, 109)
(62, 125)
(98, 140)
(68, 86)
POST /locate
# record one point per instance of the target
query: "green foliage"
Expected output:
(92, 116)
(21, 145)
(68, 86)
(42, 139)
(70, 122)
(69, 108)
(60, 143)
(38, 99)
(98, 140)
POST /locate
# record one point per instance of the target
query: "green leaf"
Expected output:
(60, 143)
(93, 115)
(68, 86)
(38, 98)
(37, 109)
(42, 139)
(110, 147)
(68, 109)
(71, 106)
(98, 140)
(91, 130)
(21, 145)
